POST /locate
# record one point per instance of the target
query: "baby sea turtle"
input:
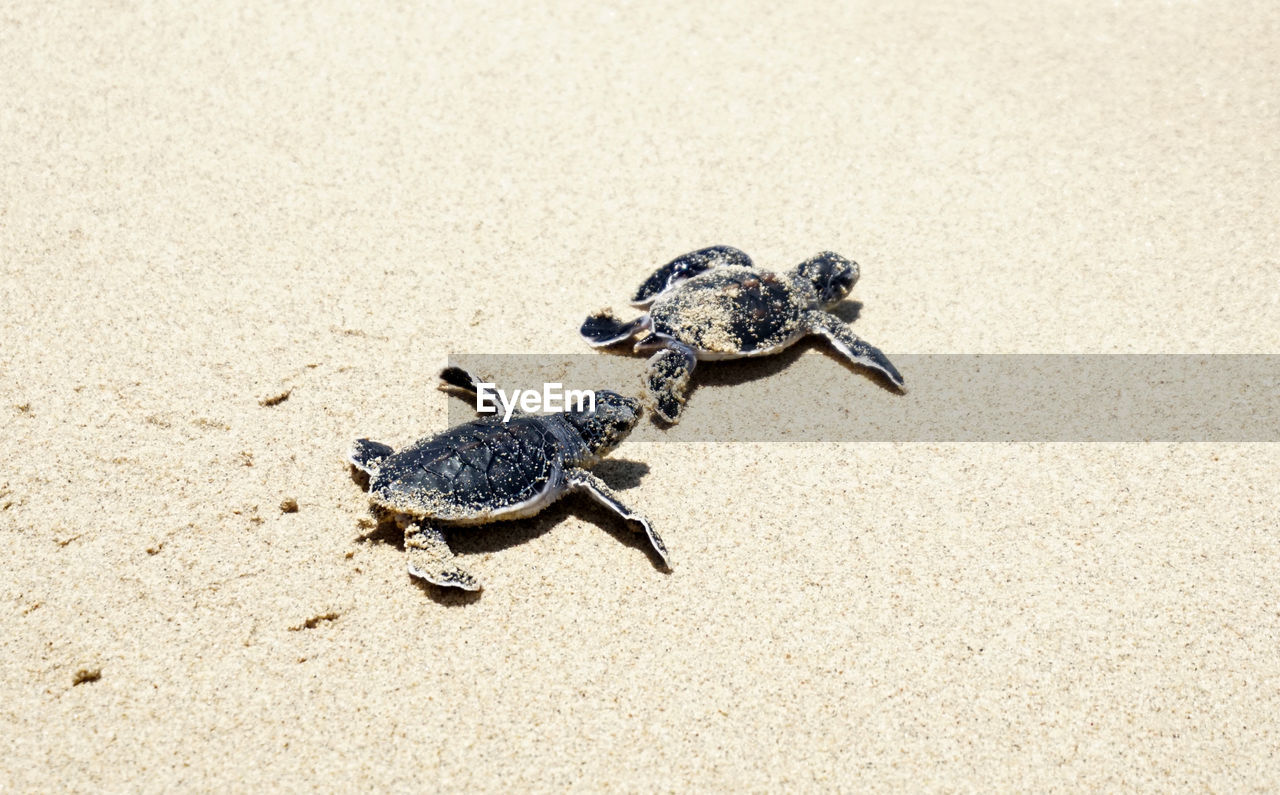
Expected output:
(713, 304)
(487, 469)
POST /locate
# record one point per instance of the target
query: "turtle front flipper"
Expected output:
(366, 455)
(582, 480)
(852, 346)
(603, 328)
(667, 376)
(684, 267)
(431, 559)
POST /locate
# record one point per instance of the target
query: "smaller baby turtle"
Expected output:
(486, 470)
(714, 304)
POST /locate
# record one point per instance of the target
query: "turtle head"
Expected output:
(604, 426)
(831, 276)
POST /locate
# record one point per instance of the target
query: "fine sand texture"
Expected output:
(233, 238)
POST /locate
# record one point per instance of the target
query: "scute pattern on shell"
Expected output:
(470, 471)
(731, 310)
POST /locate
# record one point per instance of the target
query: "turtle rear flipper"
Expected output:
(667, 378)
(686, 266)
(603, 328)
(367, 455)
(430, 558)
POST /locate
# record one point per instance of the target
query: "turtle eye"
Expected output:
(838, 285)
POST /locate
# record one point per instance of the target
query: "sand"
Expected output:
(204, 208)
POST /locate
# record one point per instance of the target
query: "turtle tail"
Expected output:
(367, 456)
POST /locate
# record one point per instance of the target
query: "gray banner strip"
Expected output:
(804, 395)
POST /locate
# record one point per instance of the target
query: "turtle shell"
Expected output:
(475, 471)
(731, 311)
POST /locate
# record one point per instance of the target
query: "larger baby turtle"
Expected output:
(488, 469)
(713, 304)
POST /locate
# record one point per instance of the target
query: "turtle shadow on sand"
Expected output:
(501, 535)
(848, 311)
(734, 372)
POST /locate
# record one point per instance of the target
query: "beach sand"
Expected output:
(203, 208)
